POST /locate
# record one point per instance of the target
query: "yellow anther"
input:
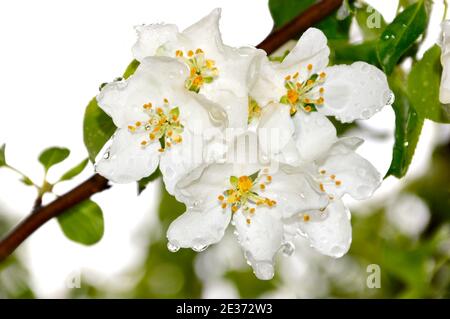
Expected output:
(178, 139)
(234, 208)
(309, 82)
(245, 183)
(169, 133)
(198, 51)
(147, 106)
(179, 53)
(159, 110)
(306, 217)
(308, 108)
(166, 101)
(198, 80)
(310, 67)
(221, 197)
(321, 90)
(143, 143)
(131, 128)
(190, 53)
(210, 64)
(269, 178)
(287, 78)
(224, 205)
(168, 144)
(138, 124)
(295, 75)
(323, 172)
(323, 74)
(161, 150)
(292, 96)
(252, 210)
(152, 136)
(262, 186)
(248, 221)
(320, 100)
(322, 188)
(338, 183)
(332, 176)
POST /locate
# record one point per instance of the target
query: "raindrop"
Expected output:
(288, 248)
(173, 247)
(366, 113)
(199, 248)
(406, 144)
(264, 270)
(389, 97)
(106, 155)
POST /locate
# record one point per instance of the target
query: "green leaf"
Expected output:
(234, 181)
(27, 181)
(83, 223)
(408, 126)
(283, 11)
(142, 184)
(423, 87)
(131, 68)
(370, 22)
(52, 156)
(74, 171)
(2, 155)
(401, 34)
(97, 129)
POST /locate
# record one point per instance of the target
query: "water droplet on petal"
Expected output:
(199, 248)
(363, 191)
(288, 248)
(107, 155)
(366, 113)
(389, 97)
(173, 247)
(264, 270)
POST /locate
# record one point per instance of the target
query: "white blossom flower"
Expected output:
(217, 71)
(157, 119)
(303, 82)
(444, 93)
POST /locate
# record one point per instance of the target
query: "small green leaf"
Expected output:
(83, 223)
(234, 181)
(175, 111)
(74, 171)
(254, 176)
(131, 69)
(423, 87)
(52, 156)
(401, 34)
(142, 184)
(2, 155)
(27, 181)
(408, 126)
(97, 129)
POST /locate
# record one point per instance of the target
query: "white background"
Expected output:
(54, 55)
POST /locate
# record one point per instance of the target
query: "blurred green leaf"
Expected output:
(248, 285)
(97, 129)
(401, 34)
(74, 171)
(142, 184)
(370, 22)
(27, 181)
(408, 126)
(346, 53)
(52, 156)
(2, 155)
(423, 87)
(83, 223)
(283, 11)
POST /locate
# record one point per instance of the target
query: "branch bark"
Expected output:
(97, 183)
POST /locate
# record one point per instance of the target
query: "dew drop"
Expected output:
(173, 247)
(107, 155)
(288, 248)
(389, 97)
(366, 113)
(199, 248)
(264, 270)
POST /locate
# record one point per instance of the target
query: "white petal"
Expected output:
(261, 239)
(199, 227)
(331, 235)
(127, 160)
(155, 79)
(275, 128)
(356, 175)
(269, 86)
(293, 193)
(314, 134)
(311, 49)
(354, 91)
(151, 37)
(444, 92)
(205, 34)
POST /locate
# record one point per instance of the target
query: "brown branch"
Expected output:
(98, 183)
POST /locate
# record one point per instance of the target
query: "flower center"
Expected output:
(162, 125)
(304, 95)
(202, 70)
(254, 110)
(244, 195)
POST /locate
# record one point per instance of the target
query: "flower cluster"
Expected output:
(243, 140)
